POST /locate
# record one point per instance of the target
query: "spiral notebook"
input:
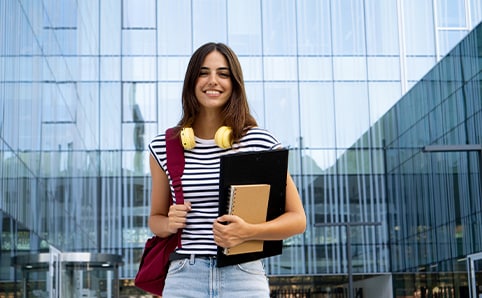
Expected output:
(250, 202)
(258, 167)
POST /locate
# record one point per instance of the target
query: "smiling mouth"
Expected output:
(212, 92)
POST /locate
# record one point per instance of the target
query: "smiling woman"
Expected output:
(216, 121)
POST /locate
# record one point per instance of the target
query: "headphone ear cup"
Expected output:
(187, 138)
(223, 137)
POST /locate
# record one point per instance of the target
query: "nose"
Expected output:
(212, 80)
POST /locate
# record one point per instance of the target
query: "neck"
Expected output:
(205, 126)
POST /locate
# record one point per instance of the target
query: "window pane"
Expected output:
(254, 92)
(314, 30)
(110, 116)
(207, 17)
(110, 68)
(252, 68)
(139, 14)
(449, 39)
(244, 26)
(282, 98)
(60, 14)
(383, 69)
(451, 13)
(139, 102)
(280, 68)
(311, 68)
(110, 28)
(138, 42)
(169, 99)
(317, 119)
(382, 28)
(351, 112)
(382, 97)
(349, 69)
(174, 19)
(417, 67)
(419, 27)
(139, 69)
(279, 34)
(172, 68)
(348, 24)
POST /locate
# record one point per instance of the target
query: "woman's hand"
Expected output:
(231, 230)
(177, 216)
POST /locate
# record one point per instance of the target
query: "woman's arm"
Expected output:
(290, 223)
(164, 219)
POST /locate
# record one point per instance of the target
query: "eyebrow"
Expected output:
(220, 68)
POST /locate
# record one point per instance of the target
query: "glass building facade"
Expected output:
(355, 88)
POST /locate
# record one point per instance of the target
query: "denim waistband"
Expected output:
(176, 256)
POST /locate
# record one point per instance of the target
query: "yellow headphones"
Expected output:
(223, 137)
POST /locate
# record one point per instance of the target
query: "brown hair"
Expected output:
(236, 111)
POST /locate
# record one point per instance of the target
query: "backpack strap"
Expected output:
(175, 166)
(175, 163)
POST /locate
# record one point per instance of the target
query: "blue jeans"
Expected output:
(199, 277)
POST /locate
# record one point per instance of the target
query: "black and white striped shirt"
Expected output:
(200, 183)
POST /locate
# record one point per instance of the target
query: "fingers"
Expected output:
(227, 219)
(177, 216)
(227, 231)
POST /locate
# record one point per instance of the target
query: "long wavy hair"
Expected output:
(236, 112)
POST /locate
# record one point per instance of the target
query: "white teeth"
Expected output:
(212, 92)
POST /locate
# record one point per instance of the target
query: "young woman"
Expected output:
(216, 120)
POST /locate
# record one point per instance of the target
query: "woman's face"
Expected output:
(214, 86)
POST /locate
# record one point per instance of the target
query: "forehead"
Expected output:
(215, 59)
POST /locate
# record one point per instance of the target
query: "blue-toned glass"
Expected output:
(110, 27)
(448, 39)
(280, 68)
(313, 27)
(110, 116)
(282, 98)
(142, 69)
(316, 115)
(348, 28)
(175, 27)
(382, 28)
(139, 42)
(254, 92)
(244, 26)
(383, 95)
(139, 102)
(451, 13)
(60, 14)
(351, 112)
(418, 28)
(138, 14)
(208, 21)
(349, 68)
(279, 33)
(315, 69)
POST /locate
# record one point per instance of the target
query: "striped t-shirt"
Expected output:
(200, 184)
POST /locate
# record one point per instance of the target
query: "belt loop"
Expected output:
(192, 259)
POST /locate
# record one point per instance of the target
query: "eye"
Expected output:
(203, 73)
(225, 75)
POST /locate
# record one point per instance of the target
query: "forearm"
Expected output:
(284, 226)
(159, 225)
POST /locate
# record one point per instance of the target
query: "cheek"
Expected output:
(228, 86)
(197, 92)
(198, 87)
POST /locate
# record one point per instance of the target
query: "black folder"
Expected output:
(255, 167)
